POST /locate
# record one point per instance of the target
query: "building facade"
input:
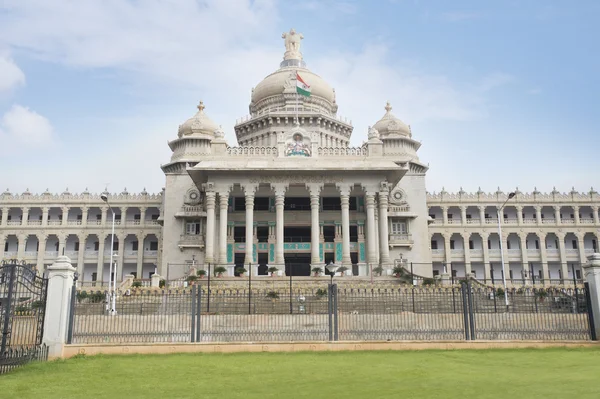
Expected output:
(294, 195)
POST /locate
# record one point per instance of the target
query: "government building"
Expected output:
(294, 195)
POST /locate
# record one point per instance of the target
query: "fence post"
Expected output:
(58, 302)
(471, 311)
(199, 317)
(330, 310)
(193, 338)
(463, 290)
(335, 313)
(591, 271)
(72, 311)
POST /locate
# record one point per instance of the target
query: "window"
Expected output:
(574, 244)
(79, 217)
(6, 247)
(261, 203)
(154, 217)
(96, 246)
(454, 273)
(118, 217)
(399, 228)
(76, 249)
(434, 244)
(153, 245)
(507, 244)
(134, 245)
(451, 244)
(94, 276)
(449, 216)
(578, 274)
(471, 246)
(98, 217)
(137, 216)
(432, 216)
(192, 228)
(436, 273)
(594, 245)
(505, 216)
(487, 216)
(468, 217)
(537, 244)
(489, 244)
(510, 273)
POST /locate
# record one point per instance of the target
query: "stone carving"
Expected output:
(292, 45)
(397, 196)
(292, 179)
(297, 147)
(373, 133)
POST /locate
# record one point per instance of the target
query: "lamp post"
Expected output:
(112, 282)
(332, 267)
(498, 210)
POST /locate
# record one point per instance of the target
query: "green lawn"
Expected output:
(514, 374)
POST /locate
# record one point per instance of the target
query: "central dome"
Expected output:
(277, 92)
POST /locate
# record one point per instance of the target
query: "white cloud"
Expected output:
(11, 75)
(22, 125)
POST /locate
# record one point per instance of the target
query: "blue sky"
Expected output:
(501, 93)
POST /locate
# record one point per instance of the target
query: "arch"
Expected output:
(510, 214)
(35, 216)
(437, 214)
(475, 243)
(32, 247)
(586, 215)
(529, 214)
(548, 215)
(532, 242)
(567, 214)
(454, 215)
(472, 214)
(52, 244)
(75, 216)
(590, 243)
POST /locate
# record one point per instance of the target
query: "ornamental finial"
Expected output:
(292, 45)
(201, 106)
(388, 106)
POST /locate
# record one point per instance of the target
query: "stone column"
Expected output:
(445, 215)
(139, 269)
(371, 247)
(280, 190)
(249, 191)
(65, 217)
(25, 216)
(487, 272)
(314, 191)
(564, 267)
(41, 251)
(466, 237)
(591, 273)
(5, 211)
(519, 215)
(384, 236)
(210, 227)
(21, 246)
(525, 258)
(482, 215)
(557, 215)
(58, 304)
(538, 215)
(344, 189)
(100, 265)
(104, 211)
(581, 247)
(80, 255)
(544, 257)
(84, 216)
(223, 208)
(595, 213)
(463, 215)
(447, 249)
(576, 215)
(61, 244)
(142, 215)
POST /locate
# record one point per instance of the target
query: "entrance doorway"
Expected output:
(297, 264)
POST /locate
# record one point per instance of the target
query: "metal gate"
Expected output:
(22, 309)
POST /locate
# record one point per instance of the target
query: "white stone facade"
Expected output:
(293, 194)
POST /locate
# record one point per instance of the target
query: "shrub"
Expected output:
(542, 293)
(191, 279)
(398, 271)
(342, 269)
(201, 273)
(162, 283)
(378, 270)
(240, 270)
(321, 292)
(428, 281)
(500, 293)
(272, 269)
(273, 295)
(219, 270)
(136, 284)
(316, 271)
(81, 295)
(37, 304)
(97, 297)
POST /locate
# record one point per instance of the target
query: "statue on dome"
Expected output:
(292, 44)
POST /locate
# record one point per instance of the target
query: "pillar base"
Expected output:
(363, 270)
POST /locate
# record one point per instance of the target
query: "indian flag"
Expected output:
(301, 86)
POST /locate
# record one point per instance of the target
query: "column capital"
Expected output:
(249, 189)
(344, 188)
(314, 189)
(279, 189)
(208, 187)
(25, 208)
(384, 187)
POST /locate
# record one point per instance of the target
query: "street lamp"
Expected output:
(332, 267)
(498, 210)
(112, 286)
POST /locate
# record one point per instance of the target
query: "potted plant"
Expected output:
(541, 294)
(191, 279)
(342, 270)
(378, 270)
(320, 293)
(219, 270)
(136, 284)
(272, 270)
(81, 295)
(201, 273)
(316, 271)
(398, 271)
(240, 271)
(500, 293)
(428, 281)
(162, 283)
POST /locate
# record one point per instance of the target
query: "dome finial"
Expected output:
(388, 107)
(292, 45)
(201, 106)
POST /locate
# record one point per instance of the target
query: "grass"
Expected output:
(523, 373)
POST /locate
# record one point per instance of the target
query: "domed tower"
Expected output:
(183, 203)
(408, 199)
(276, 105)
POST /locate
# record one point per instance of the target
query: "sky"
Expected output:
(501, 93)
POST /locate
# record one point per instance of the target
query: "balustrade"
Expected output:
(529, 221)
(259, 151)
(342, 151)
(34, 223)
(586, 221)
(74, 222)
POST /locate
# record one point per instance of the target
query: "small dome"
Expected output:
(198, 124)
(390, 126)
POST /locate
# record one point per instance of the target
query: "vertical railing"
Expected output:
(72, 312)
(7, 309)
(590, 312)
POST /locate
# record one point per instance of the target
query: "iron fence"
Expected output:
(273, 311)
(21, 355)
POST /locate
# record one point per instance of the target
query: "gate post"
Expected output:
(591, 271)
(56, 321)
